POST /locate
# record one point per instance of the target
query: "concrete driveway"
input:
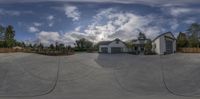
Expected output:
(99, 76)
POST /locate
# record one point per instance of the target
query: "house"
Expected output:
(139, 43)
(115, 46)
(164, 44)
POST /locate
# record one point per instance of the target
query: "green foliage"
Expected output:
(52, 47)
(9, 36)
(83, 45)
(40, 46)
(194, 29)
(130, 46)
(194, 35)
(2, 32)
(193, 41)
(182, 40)
(148, 46)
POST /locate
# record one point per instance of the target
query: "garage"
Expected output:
(116, 50)
(115, 46)
(164, 44)
(104, 50)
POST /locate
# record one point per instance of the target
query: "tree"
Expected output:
(194, 29)
(51, 47)
(9, 36)
(61, 46)
(194, 35)
(2, 33)
(193, 41)
(130, 45)
(41, 46)
(30, 46)
(148, 46)
(83, 44)
(182, 40)
(23, 44)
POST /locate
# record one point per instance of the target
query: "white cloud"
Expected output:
(9, 12)
(123, 25)
(111, 23)
(47, 38)
(13, 12)
(33, 29)
(174, 24)
(72, 12)
(78, 28)
(51, 24)
(50, 20)
(50, 17)
(189, 21)
(180, 11)
(37, 24)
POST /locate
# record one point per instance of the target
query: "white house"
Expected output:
(164, 44)
(115, 46)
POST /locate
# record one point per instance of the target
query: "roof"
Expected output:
(162, 35)
(105, 42)
(108, 42)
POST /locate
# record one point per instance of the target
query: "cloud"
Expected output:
(51, 24)
(123, 25)
(174, 24)
(37, 24)
(47, 38)
(9, 12)
(50, 20)
(111, 23)
(13, 12)
(50, 17)
(190, 21)
(152, 2)
(180, 11)
(33, 29)
(78, 28)
(72, 12)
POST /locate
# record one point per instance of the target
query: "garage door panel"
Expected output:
(169, 46)
(116, 50)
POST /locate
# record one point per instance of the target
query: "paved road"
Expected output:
(99, 76)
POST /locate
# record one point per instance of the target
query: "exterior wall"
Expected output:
(161, 44)
(174, 46)
(156, 45)
(100, 46)
(114, 44)
(120, 44)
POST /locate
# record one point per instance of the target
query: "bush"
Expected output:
(134, 52)
(149, 53)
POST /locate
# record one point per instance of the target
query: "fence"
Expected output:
(10, 50)
(189, 50)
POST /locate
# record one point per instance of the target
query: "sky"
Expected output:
(64, 21)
